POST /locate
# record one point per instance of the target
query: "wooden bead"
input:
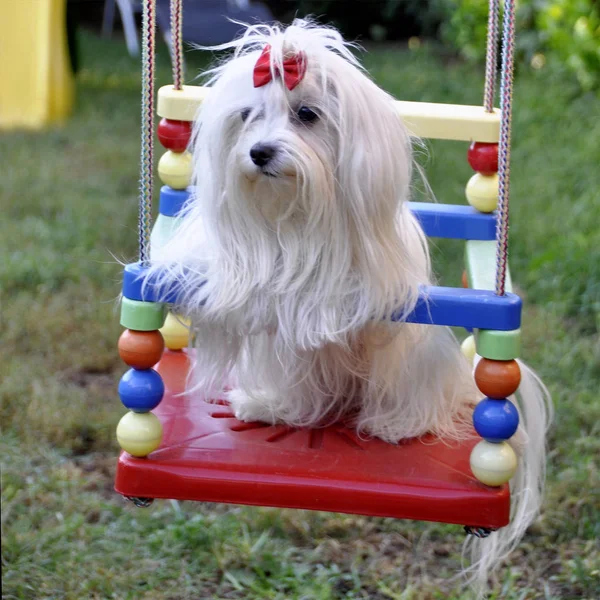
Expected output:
(465, 280)
(176, 332)
(497, 378)
(174, 135)
(482, 192)
(141, 390)
(175, 169)
(468, 348)
(496, 420)
(483, 157)
(139, 433)
(141, 349)
(493, 464)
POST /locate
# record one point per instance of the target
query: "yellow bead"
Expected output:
(176, 332)
(139, 433)
(493, 464)
(482, 192)
(468, 348)
(175, 169)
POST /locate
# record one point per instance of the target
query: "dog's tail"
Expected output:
(529, 443)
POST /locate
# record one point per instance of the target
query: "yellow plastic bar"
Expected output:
(423, 119)
(35, 71)
(450, 121)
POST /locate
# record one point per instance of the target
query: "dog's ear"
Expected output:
(375, 160)
(373, 173)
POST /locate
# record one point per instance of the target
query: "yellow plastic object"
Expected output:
(175, 169)
(482, 192)
(180, 105)
(493, 464)
(468, 348)
(450, 121)
(176, 332)
(139, 433)
(37, 83)
(423, 119)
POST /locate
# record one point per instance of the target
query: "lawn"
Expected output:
(68, 199)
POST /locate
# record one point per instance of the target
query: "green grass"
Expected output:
(68, 199)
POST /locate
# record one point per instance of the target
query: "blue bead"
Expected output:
(496, 420)
(141, 391)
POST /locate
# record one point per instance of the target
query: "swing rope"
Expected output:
(177, 43)
(147, 146)
(147, 127)
(491, 56)
(506, 93)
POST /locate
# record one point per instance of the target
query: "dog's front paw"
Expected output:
(247, 408)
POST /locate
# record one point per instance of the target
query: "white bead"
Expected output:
(175, 169)
(176, 332)
(482, 192)
(493, 464)
(139, 433)
(468, 348)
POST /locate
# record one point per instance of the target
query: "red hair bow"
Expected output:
(294, 69)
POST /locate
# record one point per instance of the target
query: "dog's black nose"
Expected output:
(261, 154)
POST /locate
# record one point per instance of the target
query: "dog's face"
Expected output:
(282, 133)
(334, 139)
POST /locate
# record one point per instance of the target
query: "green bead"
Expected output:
(499, 345)
(142, 316)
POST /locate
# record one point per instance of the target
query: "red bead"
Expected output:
(483, 157)
(497, 378)
(141, 349)
(465, 280)
(174, 135)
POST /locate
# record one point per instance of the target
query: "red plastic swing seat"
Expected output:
(208, 455)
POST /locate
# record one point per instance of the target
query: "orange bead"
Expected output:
(141, 349)
(497, 378)
(465, 281)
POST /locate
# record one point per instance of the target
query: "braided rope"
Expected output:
(177, 42)
(147, 149)
(506, 91)
(491, 56)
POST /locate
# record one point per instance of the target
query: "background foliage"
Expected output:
(69, 200)
(561, 34)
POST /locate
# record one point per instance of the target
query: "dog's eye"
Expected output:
(307, 115)
(245, 114)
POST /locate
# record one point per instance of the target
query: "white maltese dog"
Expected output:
(299, 245)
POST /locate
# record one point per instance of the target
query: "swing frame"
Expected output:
(208, 455)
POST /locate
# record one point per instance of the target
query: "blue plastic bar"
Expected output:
(454, 221)
(459, 307)
(455, 307)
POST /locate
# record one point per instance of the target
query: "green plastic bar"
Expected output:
(480, 259)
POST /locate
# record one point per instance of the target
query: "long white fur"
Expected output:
(290, 279)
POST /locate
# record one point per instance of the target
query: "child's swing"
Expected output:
(188, 449)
